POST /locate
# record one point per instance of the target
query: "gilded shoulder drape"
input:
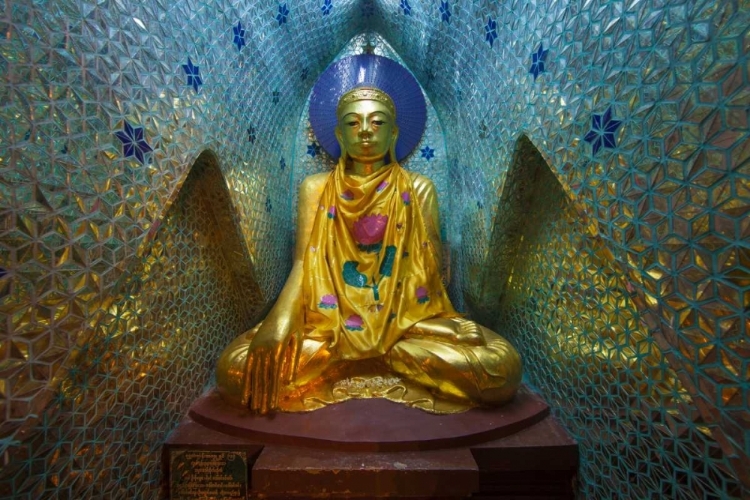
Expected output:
(370, 270)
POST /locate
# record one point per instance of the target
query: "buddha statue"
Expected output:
(366, 288)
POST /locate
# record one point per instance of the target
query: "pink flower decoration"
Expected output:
(370, 229)
(328, 301)
(381, 186)
(406, 197)
(353, 322)
(422, 295)
(332, 212)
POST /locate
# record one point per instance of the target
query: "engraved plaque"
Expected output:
(207, 474)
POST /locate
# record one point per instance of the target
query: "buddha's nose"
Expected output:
(365, 131)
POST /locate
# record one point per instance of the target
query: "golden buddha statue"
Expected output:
(366, 289)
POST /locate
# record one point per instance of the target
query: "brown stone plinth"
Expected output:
(530, 456)
(284, 472)
(539, 462)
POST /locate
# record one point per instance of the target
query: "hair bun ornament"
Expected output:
(372, 71)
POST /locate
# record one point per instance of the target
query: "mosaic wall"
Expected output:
(114, 301)
(187, 295)
(626, 286)
(576, 320)
(640, 109)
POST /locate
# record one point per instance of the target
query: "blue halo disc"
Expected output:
(375, 71)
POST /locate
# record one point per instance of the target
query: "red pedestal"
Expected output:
(376, 448)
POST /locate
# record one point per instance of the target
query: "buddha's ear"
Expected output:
(340, 140)
(394, 140)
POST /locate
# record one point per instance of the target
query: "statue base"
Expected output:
(370, 448)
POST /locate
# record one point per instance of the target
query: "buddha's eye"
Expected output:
(378, 122)
(352, 123)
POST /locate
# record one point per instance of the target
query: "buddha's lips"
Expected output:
(370, 229)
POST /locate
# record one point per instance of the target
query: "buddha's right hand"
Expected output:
(272, 362)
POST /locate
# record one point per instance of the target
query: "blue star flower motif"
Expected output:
(602, 133)
(406, 7)
(445, 12)
(427, 152)
(268, 204)
(490, 31)
(133, 142)
(239, 36)
(282, 164)
(313, 149)
(537, 61)
(326, 7)
(193, 75)
(251, 134)
(282, 15)
(275, 96)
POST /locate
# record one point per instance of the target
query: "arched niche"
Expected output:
(189, 291)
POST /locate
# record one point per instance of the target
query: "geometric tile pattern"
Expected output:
(100, 293)
(562, 299)
(670, 202)
(150, 354)
(630, 308)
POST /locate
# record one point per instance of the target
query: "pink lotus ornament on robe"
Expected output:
(370, 229)
(328, 301)
(422, 295)
(354, 322)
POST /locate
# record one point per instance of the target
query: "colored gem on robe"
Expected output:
(354, 322)
(328, 301)
(422, 295)
(406, 197)
(370, 229)
(347, 195)
(332, 212)
(381, 186)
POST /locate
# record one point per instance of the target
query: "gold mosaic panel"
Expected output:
(568, 307)
(665, 210)
(79, 211)
(152, 353)
(666, 193)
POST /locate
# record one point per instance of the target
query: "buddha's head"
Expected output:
(366, 129)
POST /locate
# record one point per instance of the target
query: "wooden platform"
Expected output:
(442, 458)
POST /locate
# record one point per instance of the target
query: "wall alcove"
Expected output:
(634, 113)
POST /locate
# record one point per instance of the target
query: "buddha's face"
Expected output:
(366, 130)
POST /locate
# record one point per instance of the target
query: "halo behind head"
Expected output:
(376, 73)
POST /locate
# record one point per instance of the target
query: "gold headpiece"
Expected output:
(367, 94)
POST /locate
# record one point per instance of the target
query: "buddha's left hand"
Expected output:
(457, 331)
